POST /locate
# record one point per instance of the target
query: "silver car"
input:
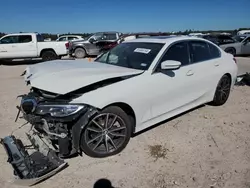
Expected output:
(241, 46)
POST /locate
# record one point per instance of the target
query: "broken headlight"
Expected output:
(58, 110)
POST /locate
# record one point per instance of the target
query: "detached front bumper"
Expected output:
(32, 168)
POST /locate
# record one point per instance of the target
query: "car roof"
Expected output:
(165, 39)
(23, 34)
(70, 36)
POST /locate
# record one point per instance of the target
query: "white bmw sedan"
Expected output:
(96, 107)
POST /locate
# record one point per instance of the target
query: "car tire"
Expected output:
(107, 133)
(80, 53)
(222, 91)
(49, 55)
(231, 51)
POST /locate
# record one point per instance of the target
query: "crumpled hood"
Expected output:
(64, 76)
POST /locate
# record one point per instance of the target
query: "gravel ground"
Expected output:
(208, 148)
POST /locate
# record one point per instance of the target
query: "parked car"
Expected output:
(30, 45)
(69, 38)
(219, 39)
(93, 45)
(243, 32)
(241, 46)
(96, 107)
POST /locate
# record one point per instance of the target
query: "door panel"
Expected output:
(176, 89)
(7, 45)
(3, 51)
(26, 47)
(246, 47)
(19, 46)
(189, 86)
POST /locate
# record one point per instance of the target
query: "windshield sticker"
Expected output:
(142, 50)
(143, 64)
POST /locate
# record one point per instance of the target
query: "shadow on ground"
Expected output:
(103, 183)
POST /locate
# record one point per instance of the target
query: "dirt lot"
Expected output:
(206, 148)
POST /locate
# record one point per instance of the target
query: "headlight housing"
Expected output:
(59, 110)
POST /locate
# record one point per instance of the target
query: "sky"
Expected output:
(80, 16)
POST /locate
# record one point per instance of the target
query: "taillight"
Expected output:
(235, 60)
(67, 45)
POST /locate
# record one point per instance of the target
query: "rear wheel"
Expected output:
(49, 55)
(222, 91)
(231, 51)
(107, 133)
(80, 53)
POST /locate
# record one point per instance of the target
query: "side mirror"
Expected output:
(170, 65)
(91, 40)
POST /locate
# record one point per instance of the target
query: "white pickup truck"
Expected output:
(31, 45)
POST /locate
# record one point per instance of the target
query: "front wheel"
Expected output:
(107, 134)
(222, 91)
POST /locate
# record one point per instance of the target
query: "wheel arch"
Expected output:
(231, 47)
(128, 110)
(46, 50)
(230, 76)
(82, 47)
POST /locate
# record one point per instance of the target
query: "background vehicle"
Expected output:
(93, 45)
(89, 107)
(236, 45)
(69, 38)
(241, 46)
(30, 45)
(219, 39)
(243, 32)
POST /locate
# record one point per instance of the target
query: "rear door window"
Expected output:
(62, 39)
(25, 38)
(110, 36)
(199, 51)
(71, 38)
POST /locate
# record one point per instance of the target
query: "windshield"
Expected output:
(239, 38)
(136, 55)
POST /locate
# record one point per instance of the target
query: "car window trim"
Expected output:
(155, 69)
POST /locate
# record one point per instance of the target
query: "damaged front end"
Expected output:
(56, 127)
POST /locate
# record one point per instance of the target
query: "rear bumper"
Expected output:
(32, 168)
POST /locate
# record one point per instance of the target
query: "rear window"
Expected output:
(24, 38)
(39, 38)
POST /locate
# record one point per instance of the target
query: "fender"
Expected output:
(79, 126)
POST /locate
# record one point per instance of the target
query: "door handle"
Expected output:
(190, 73)
(216, 64)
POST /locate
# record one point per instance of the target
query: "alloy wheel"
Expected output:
(105, 133)
(223, 89)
